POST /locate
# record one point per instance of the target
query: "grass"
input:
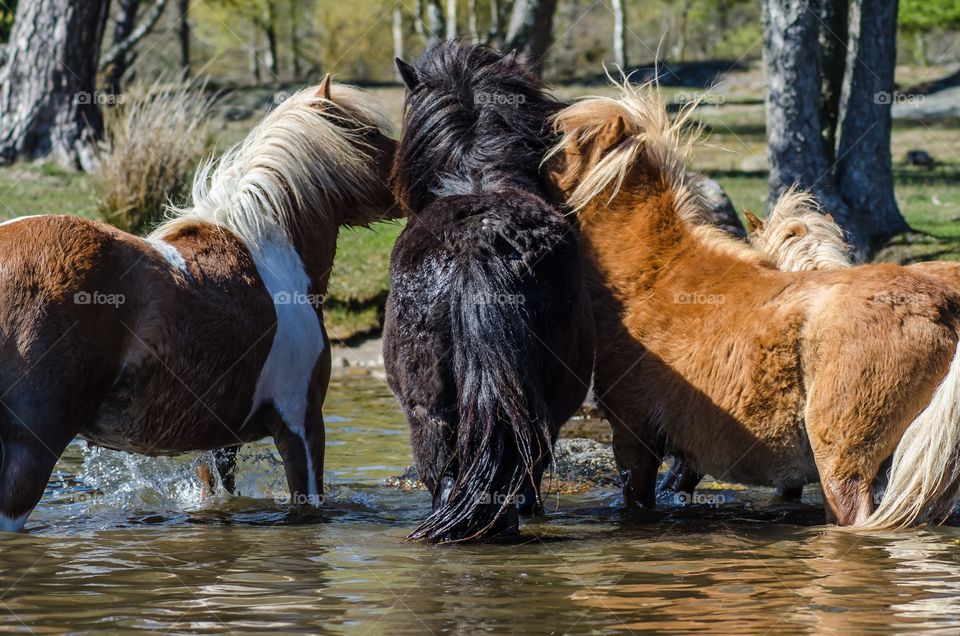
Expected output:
(733, 153)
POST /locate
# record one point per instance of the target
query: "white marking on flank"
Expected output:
(297, 344)
(15, 524)
(171, 254)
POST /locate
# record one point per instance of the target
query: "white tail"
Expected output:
(924, 481)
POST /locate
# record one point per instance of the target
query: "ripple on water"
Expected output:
(129, 543)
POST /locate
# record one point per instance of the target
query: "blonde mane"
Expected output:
(798, 236)
(290, 171)
(651, 139)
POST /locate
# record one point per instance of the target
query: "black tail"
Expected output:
(502, 430)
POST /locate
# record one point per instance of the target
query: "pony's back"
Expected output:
(488, 335)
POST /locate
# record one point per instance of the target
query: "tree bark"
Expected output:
(864, 164)
(451, 19)
(183, 34)
(795, 148)
(472, 26)
(124, 46)
(495, 33)
(295, 37)
(48, 108)
(620, 34)
(398, 38)
(834, 16)
(531, 30)
(435, 22)
(124, 57)
(418, 25)
(270, 32)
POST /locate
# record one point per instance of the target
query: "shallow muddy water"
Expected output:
(124, 543)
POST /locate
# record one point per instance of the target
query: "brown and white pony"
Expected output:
(206, 334)
(756, 375)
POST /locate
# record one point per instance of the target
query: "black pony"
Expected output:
(488, 341)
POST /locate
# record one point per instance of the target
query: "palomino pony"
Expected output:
(754, 374)
(488, 339)
(204, 335)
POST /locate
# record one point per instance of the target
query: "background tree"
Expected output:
(48, 102)
(620, 33)
(531, 30)
(858, 187)
(126, 35)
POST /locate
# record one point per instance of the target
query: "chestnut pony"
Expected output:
(488, 339)
(207, 333)
(754, 374)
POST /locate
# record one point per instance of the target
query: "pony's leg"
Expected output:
(26, 469)
(793, 493)
(638, 461)
(225, 461)
(847, 471)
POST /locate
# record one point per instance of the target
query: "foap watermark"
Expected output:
(300, 499)
(704, 99)
(99, 98)
(504, 99)
(298, 298)
(883, 98)
(699, 499)
(499, 299)
(697, 298)
(501, 499)
(98, 298)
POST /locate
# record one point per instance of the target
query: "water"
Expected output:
(124, 543)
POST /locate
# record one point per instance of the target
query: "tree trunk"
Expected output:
(398, 37)
(495, 34)
(795, 150)
(864, 164)
(183, 8)
(255, 54)
(451, 19)
(270, 32)
(47, 108)
(435, 23)
(295, 37)
(126, 22)
(620, 34)
(472, 26)
(418, 25)
(531, 30)
(834, 16)
(124, 46)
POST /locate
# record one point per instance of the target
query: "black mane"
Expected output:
(475, 120)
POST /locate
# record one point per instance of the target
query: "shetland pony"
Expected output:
(797, 236)
(206, 334)
(488, 338)
(754, 374)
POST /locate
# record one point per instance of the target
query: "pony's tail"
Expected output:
(924, 481)
(502, 433)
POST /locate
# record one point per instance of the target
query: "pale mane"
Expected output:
(652, 140)
(290, 171)
(798, 236)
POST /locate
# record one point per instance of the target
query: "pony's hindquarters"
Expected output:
(924, 483)
(519, 334)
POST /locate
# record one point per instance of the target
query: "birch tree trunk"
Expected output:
(48, 100)
(451, 19)
(620, 33)
(436, 26)
(398, 37)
